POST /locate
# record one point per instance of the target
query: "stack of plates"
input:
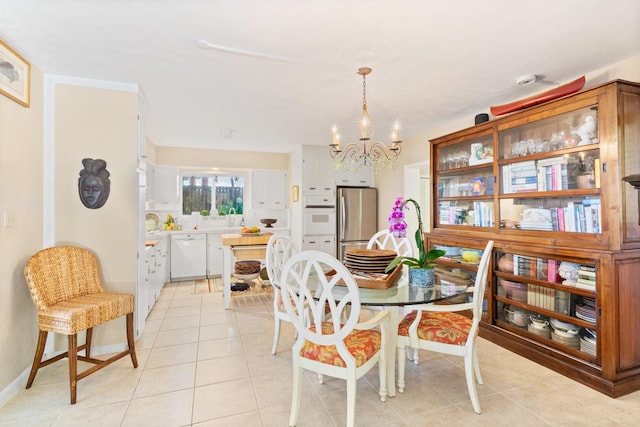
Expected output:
(565, 333)
(544, 331)
(368, 260)
(586, 309)
(588, 341)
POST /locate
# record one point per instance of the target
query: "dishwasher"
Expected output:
(188, 256)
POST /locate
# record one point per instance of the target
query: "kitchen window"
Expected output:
(210, 192)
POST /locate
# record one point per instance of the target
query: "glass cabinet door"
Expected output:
(550, 174)
(465, 183)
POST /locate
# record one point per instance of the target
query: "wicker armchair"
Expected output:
(66, 288)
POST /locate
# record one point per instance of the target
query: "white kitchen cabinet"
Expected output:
(165, 188)
(157, 270)
(268, 189)
(152, 294)
(317, 171)
(322, 243)
(214, 255)
(363, 177)
(162, 262)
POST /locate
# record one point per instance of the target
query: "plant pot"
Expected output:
(585, 181)
(421, 277)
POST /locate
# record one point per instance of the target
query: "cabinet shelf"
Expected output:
(544, 155)
(547, 313)
(555, 286)
(465, 169)
(548, 194)
(523, 332)
(463, 198)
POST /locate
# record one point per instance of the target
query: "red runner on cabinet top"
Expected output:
(549, 95)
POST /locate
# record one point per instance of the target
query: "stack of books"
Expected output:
(586, 277)
(519, 177)
(552, 174)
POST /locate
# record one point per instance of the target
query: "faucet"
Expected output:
(230, 220)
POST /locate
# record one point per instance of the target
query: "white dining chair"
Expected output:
(345, 350)
(441, 328)
(279, 250)
(384, 239)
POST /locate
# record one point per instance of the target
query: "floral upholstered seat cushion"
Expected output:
(362, 345)
(444, 327)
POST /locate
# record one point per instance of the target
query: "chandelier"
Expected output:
(366, 153)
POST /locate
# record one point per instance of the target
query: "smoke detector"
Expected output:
(526, 79)
(529, 79)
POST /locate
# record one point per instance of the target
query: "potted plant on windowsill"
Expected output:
(421, 268)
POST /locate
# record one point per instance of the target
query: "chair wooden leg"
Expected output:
(130, 340)
(73, 366)
(42, 341)
(88, 340)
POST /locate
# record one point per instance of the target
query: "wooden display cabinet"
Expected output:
(546, 184)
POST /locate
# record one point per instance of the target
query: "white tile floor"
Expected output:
(202, 365)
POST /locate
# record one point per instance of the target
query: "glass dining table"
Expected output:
(393, 299)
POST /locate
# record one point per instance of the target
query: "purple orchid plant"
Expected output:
(398, 228)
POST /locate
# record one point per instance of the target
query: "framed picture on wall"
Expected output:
(15, 75)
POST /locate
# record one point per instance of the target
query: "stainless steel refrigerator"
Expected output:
(357, 218)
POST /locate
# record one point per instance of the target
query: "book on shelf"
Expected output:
(596, 172)
(552, 271)
(542, 178)
(562, 302)
(523, 180)
(586, 284)
(561, 224)
(515, 171)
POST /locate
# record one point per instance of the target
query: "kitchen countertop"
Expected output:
(237, 239)
(217, 230)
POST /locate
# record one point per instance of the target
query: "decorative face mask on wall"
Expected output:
(94, 184)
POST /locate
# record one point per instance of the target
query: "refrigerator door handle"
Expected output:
(342, 218)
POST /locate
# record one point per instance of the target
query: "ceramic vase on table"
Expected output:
(421, 277)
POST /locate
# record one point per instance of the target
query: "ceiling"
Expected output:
(276, 74)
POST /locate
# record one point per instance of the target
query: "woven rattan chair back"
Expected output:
(61, 273)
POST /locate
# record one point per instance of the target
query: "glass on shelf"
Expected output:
(573, 129)
(578, 214)
(468, 153)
